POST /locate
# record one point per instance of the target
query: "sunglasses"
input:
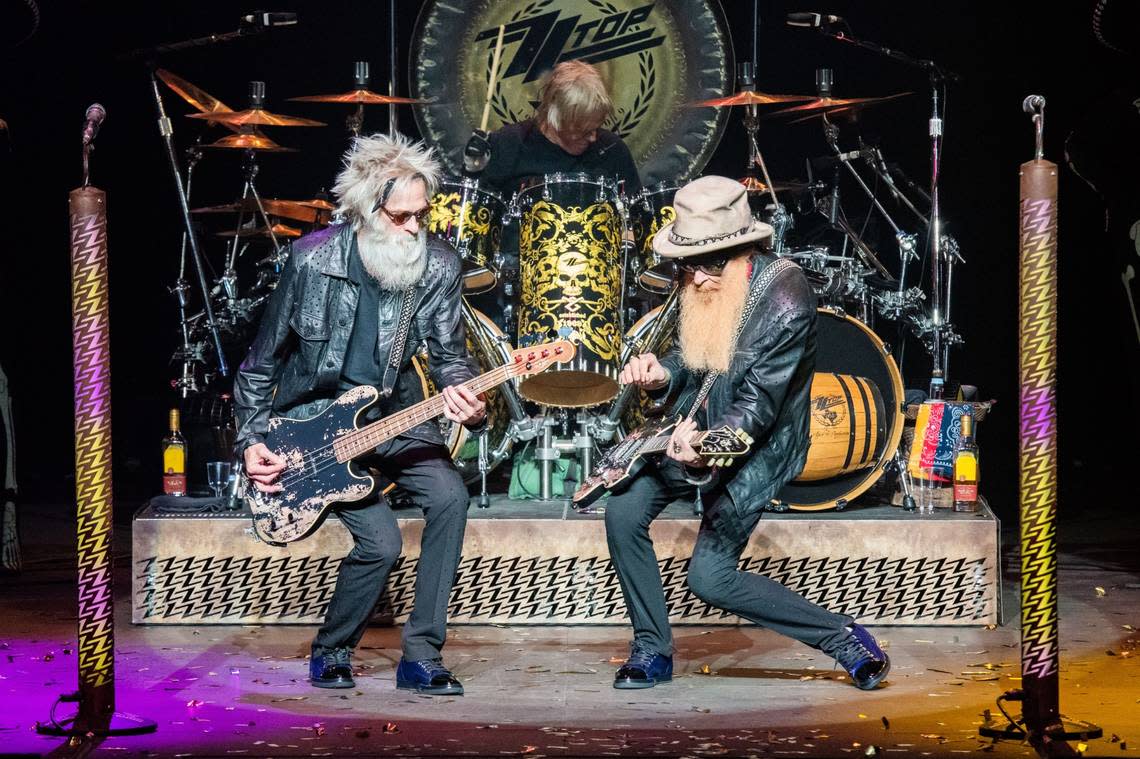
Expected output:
(713, 267)
(400, 218)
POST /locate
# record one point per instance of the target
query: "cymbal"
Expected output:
(195, 96)
(256, 117)
(826, 105)
(360, 97)
(754, 185)
(295, 210)
(319, 204)
(251, 140)
(279, 230)
(749, 97)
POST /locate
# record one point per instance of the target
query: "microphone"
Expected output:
(1033, 103)
(266, 19)
(94, 119)
(812, 20)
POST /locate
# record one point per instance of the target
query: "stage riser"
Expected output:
(912, 570)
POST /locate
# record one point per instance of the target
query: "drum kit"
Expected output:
(585, 269)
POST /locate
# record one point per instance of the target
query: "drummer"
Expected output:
(564, 136)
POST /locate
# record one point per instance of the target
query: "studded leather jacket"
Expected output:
(766, 391)
(295, 362)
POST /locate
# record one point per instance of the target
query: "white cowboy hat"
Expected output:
(712, 214)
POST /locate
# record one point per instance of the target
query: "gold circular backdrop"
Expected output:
(654, 56)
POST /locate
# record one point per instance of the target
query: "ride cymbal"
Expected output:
(279, 230)
(250, 140)
(359, 97)
(256, 117)
(832, 106)
(749, 97)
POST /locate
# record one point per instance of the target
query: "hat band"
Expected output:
(677, 239)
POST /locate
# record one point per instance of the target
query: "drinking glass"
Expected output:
(218, 476)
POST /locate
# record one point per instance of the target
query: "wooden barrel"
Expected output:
(845, 426)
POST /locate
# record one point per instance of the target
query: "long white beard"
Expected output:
(397, 261)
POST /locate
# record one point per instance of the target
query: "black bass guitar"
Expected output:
(318, 452)
(624, 460)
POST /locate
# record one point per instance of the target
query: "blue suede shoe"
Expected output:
(861, 656)
(427, 676)
(643, 669)
(332, 669)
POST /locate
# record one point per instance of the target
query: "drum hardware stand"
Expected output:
(604, 427)
(781, 219)
(547, 454)
(361, 80)
(897, 466)
(522, 426)
(393, 126)
(188, 353)
(249, 171)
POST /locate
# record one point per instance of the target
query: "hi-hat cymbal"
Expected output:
(256, 117)
(754, 185)
(250, 140)
(279, 230)
(195, 96)
(832, 106)
(295, 210)
(359, 97)
(749, 97)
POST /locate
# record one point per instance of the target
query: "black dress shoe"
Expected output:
(332, 669)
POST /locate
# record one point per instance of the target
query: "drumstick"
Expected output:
(491, 83)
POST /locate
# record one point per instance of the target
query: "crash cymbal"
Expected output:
(195, 96)
(359, 97)
(749, 97)
(250, 140)
(754, 185)
(294, 210)
(279, 231)
(319, 204)
(256, 117)
(830, 106)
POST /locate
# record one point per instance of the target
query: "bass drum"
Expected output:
(856, 416)
(463, 446)
(856, 413)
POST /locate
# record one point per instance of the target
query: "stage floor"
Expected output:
(545, 690)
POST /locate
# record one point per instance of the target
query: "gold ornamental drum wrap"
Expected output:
(655, 58)
(570, 274)
(470, 217)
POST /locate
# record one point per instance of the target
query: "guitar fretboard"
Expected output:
(352, 444)
(659, 443)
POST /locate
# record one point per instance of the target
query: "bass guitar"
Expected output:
(318, 451)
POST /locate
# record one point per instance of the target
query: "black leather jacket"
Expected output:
(767, 390)
(295, 362)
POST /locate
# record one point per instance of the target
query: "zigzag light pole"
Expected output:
(92, 370)
(1041, 722)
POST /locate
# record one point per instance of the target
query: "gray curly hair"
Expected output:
(378, 165)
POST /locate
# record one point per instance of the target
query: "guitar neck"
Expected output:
(360, 441)
(661, 442)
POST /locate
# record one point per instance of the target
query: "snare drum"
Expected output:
(648, 212)
(470, 217)
(570, 275)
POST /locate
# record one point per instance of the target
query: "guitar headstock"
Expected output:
(537, 358)
(719, 447)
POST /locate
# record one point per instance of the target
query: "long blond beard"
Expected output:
(709, 320)
(397, 261)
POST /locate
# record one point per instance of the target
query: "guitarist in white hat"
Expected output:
(747, 318)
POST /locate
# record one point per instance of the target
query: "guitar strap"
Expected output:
(399, 341)
(759, 286)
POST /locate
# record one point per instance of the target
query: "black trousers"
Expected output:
(713, 573)
(427, 473)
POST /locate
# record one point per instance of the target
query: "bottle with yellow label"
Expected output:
(966, 468)
(174, 458)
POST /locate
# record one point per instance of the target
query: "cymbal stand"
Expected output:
(393, 124)
(189, 353)
(166, 131)
(781, 219)
(361, 80)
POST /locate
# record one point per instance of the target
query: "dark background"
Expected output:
(1003, 52)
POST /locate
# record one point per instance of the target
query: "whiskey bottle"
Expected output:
(966, 468)
(174, 458)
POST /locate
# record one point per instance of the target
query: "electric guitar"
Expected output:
(318, 451)
(624, 460)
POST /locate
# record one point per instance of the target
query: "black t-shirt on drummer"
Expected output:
(520, 152)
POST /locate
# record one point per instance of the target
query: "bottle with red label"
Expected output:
(174, 458)
(966, 468)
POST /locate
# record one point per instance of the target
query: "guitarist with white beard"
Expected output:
(353, 302)
(748, 319)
